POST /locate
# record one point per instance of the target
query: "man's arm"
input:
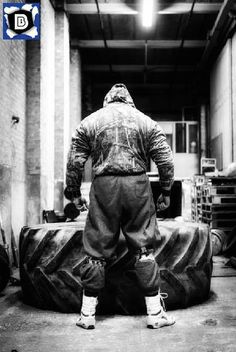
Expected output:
(78, 154)
(161, 154)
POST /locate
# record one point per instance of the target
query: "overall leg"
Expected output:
(140, 229)
(100, 239)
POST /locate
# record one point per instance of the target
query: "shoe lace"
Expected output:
(163, 295)
(156, 304)
(146, 257)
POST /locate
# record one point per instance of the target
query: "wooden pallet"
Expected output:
(214, 202)
(222, 180)
(210, 190)
(217, 215)
(222, 199)
(218, 190)
(218, 207)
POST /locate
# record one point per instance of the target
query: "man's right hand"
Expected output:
(81, 203)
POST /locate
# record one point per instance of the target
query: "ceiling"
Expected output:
(170, 57)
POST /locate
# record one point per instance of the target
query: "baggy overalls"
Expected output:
(120, 203)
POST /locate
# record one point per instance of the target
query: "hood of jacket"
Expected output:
(118, 93)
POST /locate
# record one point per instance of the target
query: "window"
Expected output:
(193, 138)
(180, 138)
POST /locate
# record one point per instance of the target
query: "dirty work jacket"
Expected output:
(120, 140)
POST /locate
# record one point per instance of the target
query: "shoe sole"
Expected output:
(90, 327)
(159, 326)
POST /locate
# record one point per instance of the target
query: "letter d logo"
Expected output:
(21, 21)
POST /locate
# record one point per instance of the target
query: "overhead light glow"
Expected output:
(147, 11)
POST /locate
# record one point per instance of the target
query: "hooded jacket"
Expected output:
(120, 140)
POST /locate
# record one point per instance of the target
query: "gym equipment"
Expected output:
(51, 254)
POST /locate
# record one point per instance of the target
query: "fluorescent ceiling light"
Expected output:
(147, 11)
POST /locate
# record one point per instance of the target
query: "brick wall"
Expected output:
(12, 137)
(35, 86)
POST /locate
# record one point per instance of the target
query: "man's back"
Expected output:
(120, 138)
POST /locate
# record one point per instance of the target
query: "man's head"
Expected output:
(118, 93)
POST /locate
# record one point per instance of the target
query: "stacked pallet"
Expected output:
(196, 197)
(219, 203)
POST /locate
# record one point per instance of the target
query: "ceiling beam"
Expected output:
(138, 68)
(216, 32)
(137, 44)
(141, 85)
(131, 9)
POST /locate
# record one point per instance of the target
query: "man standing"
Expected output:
(120, 140)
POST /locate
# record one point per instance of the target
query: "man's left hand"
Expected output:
(163, 202)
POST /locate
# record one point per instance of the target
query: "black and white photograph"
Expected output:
(118, 176)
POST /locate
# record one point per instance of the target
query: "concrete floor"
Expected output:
(210, 327)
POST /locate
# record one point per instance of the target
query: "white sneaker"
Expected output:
(159, 320)
(86, 321)
(87, 317)
(156, 315)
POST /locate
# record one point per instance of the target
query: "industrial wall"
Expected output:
(223, 106)
(75, 89)
(234, 94)
(40, 106)
(13, 131)
(40, 117)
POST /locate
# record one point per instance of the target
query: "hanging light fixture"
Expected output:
(147, 13)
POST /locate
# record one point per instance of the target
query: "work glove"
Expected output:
(80, 203)
(163, 202)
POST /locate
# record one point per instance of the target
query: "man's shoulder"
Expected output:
(93, 115)
(104, 113)
(91, 118)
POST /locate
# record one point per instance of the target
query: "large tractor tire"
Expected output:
(51, 254)
(4, 268)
